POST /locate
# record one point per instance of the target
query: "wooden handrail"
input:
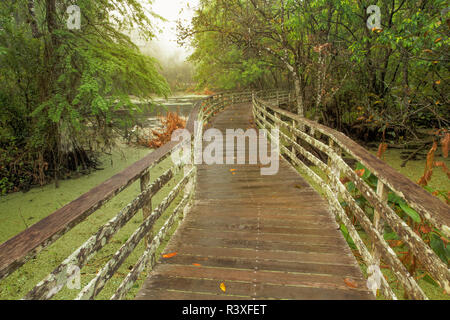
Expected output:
(428, 206)
(431, 209)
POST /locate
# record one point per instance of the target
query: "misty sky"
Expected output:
(172, 10)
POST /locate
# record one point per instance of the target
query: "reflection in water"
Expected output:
(160, 107)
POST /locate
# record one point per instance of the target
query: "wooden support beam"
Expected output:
(147, 207)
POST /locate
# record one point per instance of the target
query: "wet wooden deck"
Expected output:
(264, 237)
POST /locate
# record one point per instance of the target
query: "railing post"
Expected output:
(294, 137)
(335, 172)
(147, 207)
(382, 193)
(263, 107)
(277, 117)
(190, 186)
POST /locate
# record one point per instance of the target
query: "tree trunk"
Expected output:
(32, 19)
(299, 94)
(405, 86)
(320, 81)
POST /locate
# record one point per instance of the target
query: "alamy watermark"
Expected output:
(74, 20)
(374, 280)
(229, 148)
(374, 20)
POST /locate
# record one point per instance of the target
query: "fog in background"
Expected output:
(172, 57)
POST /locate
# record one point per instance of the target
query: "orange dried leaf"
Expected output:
(350, 283)
(360, 172)
(425, 229)
(445, 142)
(197, 264)
(395, 243)
(169, 255)
(345, 180)
(430, 156)
(381, 150)
(169, 124)
(422, 182)
(444, 168)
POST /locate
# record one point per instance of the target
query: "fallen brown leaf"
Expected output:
(350, 283)
(169, 255)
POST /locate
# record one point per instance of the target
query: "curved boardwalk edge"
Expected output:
(264, 237)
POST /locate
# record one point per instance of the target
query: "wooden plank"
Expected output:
(330, 239)
(279, 255)
(252, 289)
(230, 224)
(262, 245)
(258, 263)
(267, 277)
(152, 294)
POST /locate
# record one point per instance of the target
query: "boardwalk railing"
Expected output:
(303, 142)
(15, 252)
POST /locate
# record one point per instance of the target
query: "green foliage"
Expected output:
(398, 74)
(430, 235)
(347, 237)
(232, 70)
(60, 88)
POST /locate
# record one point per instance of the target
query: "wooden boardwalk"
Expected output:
(264, 237)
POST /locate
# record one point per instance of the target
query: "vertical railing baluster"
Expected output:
(382, 192)
(147, 207)
(294, 136)
(335, 172)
